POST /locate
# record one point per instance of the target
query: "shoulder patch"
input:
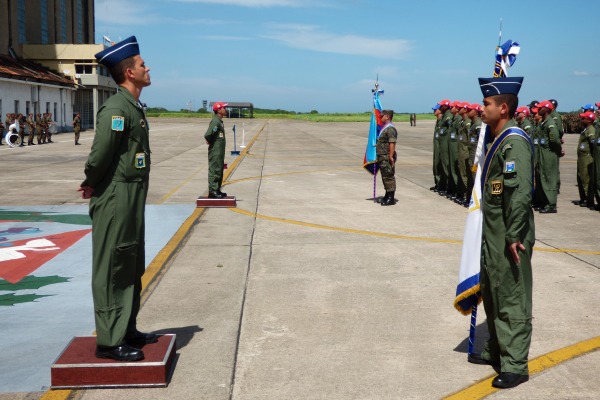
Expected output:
(509, 167)
(118, 123)
(506, 147)
(215, 129)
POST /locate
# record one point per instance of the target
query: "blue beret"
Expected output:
(120, 51)
(504, 85)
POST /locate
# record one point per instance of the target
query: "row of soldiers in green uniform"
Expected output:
(456, 135)
(454, 144)
(532, 120)
(40, 125)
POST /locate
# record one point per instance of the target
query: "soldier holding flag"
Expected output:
(508, 235)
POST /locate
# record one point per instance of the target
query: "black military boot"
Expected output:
(390, 201)
(223, 194)
(384, 198)
(214, 195)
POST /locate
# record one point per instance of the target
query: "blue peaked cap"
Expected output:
(436, 107)
(503, 85)
(120, 51)
(588, 107)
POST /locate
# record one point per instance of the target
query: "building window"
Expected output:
(47, 107)
(79, 19)
(84, 69)
(55, 112)
(16, 106)
(63, 21)
(44, 20)
(1, 110)
(21, 21)
(27, 107)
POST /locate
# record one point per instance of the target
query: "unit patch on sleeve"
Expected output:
(118, 123)
(140, 160)
(509, 167)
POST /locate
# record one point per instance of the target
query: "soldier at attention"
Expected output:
(116, 182)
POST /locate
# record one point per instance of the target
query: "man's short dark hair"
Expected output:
(511, 101)
(389, 113)
(119, 69)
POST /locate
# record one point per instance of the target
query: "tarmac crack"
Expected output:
(248, 267)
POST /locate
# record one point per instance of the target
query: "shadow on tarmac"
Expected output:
(184, 334)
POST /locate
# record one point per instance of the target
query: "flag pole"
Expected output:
(375, 166)
(471, 346)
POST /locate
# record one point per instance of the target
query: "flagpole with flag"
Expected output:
(370, 160)
(468, 294)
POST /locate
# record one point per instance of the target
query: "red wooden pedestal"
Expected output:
(225, 202)
(78, 367)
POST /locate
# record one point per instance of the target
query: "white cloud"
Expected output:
(581, 73)
(309, 37)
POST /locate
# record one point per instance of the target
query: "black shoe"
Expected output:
(475, 358)
(548, 210)
(583, 203)
(77, 144)
(433, 188)
(141, 338)
(221, 193)
(214, 195)
(442, 192)
(50, 141)
(389, 199)
(508, 380)
(120, 353)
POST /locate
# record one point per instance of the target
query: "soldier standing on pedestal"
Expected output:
(117, 174)
(215, 138)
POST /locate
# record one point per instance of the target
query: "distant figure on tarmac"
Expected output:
(77, 128)
(413, 119)
(215, 138)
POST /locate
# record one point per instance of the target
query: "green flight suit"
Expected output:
(388, 171)
(561, 131)
(596, 154)
(474, 131)
(215, 136)
(585, 164)
(463, 157)
(436, 152)
(444, 139)
(550, 149)
(118, 168)
(539, 198)
(453, 155)
(506, 287)
(526, 125)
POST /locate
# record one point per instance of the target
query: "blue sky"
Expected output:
(324, 55)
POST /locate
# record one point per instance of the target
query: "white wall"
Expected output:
(45, 95)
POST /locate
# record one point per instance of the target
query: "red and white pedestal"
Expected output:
(77, 366)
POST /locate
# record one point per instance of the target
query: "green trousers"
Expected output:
(507, 298)
(549, 175)
(388, 173)
(216, 159)
(118, 263)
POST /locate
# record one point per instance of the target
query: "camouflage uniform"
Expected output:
(585, 165)
(387, 136)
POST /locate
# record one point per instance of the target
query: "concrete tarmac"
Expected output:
(310, 290)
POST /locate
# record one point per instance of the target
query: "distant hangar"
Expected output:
(237, 109)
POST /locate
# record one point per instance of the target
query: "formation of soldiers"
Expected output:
(456, 135)
(40, 125)
(454, 144)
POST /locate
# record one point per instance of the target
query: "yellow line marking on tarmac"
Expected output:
(292, 173)
(155, 268)
(539, 364)
(389, 235)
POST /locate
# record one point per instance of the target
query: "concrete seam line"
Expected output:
(245, 292)
(484, 388)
